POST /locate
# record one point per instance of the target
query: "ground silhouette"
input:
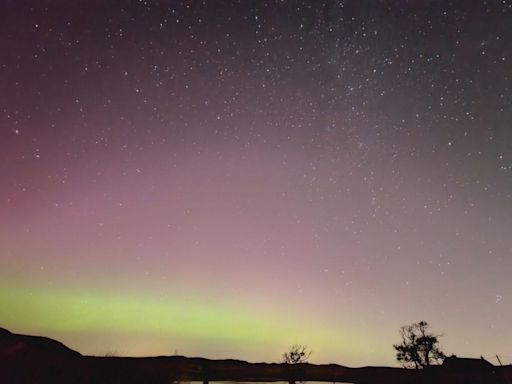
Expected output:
(32, 359)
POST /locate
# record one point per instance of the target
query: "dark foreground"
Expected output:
(32, 359)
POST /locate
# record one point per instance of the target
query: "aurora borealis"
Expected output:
(227, 178)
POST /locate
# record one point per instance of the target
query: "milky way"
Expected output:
(227, 178)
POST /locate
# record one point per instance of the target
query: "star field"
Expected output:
(249, 175)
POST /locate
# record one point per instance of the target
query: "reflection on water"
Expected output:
(260, 382)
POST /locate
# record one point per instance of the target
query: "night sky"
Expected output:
(227, 178)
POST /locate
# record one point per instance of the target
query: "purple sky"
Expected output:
(343, 166)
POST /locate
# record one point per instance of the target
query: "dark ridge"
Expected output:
(14, 345)
(33, 359)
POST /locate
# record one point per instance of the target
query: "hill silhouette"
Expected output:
(23, 346)
(34, 359)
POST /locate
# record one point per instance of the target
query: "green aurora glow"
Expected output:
(67, 312)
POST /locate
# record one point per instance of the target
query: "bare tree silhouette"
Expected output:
(419, 348)
(296, 354)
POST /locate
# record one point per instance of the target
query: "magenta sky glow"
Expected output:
(343, 167)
